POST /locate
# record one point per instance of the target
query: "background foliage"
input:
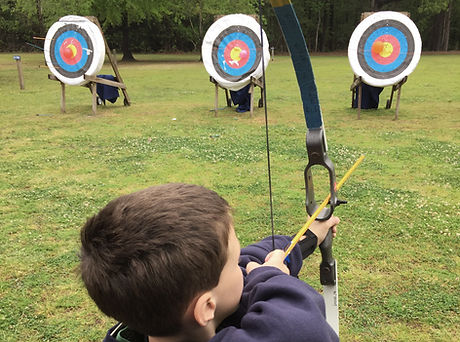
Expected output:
(179, 25)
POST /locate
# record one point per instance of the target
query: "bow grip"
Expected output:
(317, 155)
(327, 268)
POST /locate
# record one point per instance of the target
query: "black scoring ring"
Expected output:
(215, 48)
(404, 64)
(58, 67)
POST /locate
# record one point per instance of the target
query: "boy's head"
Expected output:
(148, 255)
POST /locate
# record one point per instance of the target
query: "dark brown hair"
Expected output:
(146, 255)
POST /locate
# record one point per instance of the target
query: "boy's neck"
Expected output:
(203, 334)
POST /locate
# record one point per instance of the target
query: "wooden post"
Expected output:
(353, 91)
(261, 100)
(227, 97)
(216, 99)
(360, 95)
(62, 97)
(397, 103)
(357, 83)
(20, 74)
(251, 96)
(259, 83)
(390, 100)
(94, 93)
(114, 54)
(396, 87)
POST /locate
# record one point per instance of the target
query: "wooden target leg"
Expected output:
(216, 99)
(261, 100)
(360, 93)
(227, 97)
(251, 93)
(62, 97)
(353, 90)
(390, 101)
(93, 92)
(397, 103)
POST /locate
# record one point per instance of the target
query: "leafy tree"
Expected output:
(23, 19)
(123, 14)
(43, 13)
(179, 25)
(197, 15)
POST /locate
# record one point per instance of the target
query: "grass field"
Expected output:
(398, 243)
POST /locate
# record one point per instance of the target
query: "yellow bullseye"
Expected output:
(387, 49)
(384, 49)
(235, 54)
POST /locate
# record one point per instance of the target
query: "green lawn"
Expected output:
(398, 243)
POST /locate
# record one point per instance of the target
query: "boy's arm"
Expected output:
(278, 307)
(257, 253)
(312, 238)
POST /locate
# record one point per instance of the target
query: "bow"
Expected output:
(316, 148)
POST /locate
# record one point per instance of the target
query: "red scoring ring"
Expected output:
(228, 49)
(396, 50)
(77, 57)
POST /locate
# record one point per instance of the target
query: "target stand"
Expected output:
(235, 52)
(254, 82)
(383, 50)
(357, 89)
(75, 48)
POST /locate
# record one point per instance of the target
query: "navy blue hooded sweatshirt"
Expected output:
(274, 306)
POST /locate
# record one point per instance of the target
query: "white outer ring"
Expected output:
(359, 31)
(94, 33)
(214, 30)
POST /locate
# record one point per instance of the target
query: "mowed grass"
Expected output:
(398, 241)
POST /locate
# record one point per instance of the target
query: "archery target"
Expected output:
(232, 51)
(384, 48)
(74, 46)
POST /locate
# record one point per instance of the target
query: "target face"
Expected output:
(74, 46)
(232, 51)
(384, 48)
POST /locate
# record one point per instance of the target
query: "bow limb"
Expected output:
(316, 147)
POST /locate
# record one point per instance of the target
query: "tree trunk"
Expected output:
(372, 5)
(41, 23)
(127, 55)
(200, 26)
(317, 30)
(446, 27)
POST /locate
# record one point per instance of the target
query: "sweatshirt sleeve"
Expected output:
(258, 251)
(279, 307)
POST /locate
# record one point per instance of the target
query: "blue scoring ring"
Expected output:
(228, 35)
(221, 57)
(402, 52)
(84, 56)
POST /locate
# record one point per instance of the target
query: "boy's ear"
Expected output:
(205, 309)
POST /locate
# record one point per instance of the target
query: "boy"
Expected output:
(166, 262)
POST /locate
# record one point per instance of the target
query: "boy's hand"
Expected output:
(274, 258)
(320, 228)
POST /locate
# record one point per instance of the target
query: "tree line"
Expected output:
(145, 26)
